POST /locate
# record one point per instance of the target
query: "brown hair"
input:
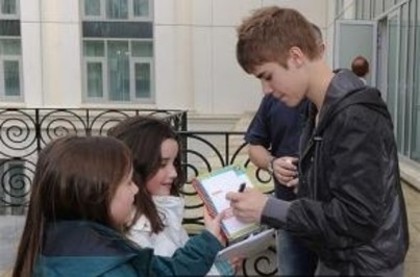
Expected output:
(360, 66)
(144, 136)
(317, 33)
(268, 35)
(75, 179)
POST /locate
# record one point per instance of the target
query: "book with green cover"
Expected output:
(213, 187)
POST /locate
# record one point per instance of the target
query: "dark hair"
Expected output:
(75, 179)
(360, 66)
(268, 35)
(144, 136)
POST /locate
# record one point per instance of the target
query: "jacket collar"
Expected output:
(344, 90)
(343, 83)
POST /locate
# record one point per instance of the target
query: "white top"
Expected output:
(172, 237)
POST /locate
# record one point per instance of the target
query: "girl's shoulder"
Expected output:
(142, 225)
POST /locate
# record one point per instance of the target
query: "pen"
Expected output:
(242, 187)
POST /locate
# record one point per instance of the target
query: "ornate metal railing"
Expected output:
(24, 132)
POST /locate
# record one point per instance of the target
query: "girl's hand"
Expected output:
(236, 263)
(213, 225)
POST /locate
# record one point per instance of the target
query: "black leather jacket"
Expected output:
(351, 209)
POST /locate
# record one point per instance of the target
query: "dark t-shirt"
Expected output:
(277, 128)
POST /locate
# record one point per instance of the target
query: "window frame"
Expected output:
(130, 17)
(142, 60)
(8, 57)
(103, 62)
(11, 16)
(105, 99)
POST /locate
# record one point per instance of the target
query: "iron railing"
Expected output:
(24, 132)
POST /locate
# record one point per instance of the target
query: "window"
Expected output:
(339, 9)
(388, 4)
(402, 85)
(118, 51)
(118, 70)
(141, 8)
(10, 69)
(117, 9)
(415, 137)
(13, 188)
(9, 9)
(378, 7)
(10, 51)
(92, 7)
(364, 9)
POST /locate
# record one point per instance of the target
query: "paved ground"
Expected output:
(412, 261)
(10, 229)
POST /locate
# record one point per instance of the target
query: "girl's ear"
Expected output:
(296, 57)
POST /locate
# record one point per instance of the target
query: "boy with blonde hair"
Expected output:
(350, 208)
(273, 140)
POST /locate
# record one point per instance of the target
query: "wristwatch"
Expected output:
(270, 168)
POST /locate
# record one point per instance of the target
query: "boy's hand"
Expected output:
(293, 184)
(247, 206)
(284, 169)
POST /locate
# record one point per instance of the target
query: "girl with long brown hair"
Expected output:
(157, 222)
(81, 202)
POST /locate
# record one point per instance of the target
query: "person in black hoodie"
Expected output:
(350, 208)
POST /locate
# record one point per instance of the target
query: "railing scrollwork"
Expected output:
(24, 132)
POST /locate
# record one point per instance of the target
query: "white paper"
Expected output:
(248, 247)
(217, 187)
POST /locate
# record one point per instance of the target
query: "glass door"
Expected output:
(354, 38)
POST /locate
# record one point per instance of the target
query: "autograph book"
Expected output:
(212, 189)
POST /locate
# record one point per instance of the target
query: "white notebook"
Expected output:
(213, 188)
(248, 247)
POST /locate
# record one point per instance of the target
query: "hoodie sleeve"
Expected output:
(357, 169)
